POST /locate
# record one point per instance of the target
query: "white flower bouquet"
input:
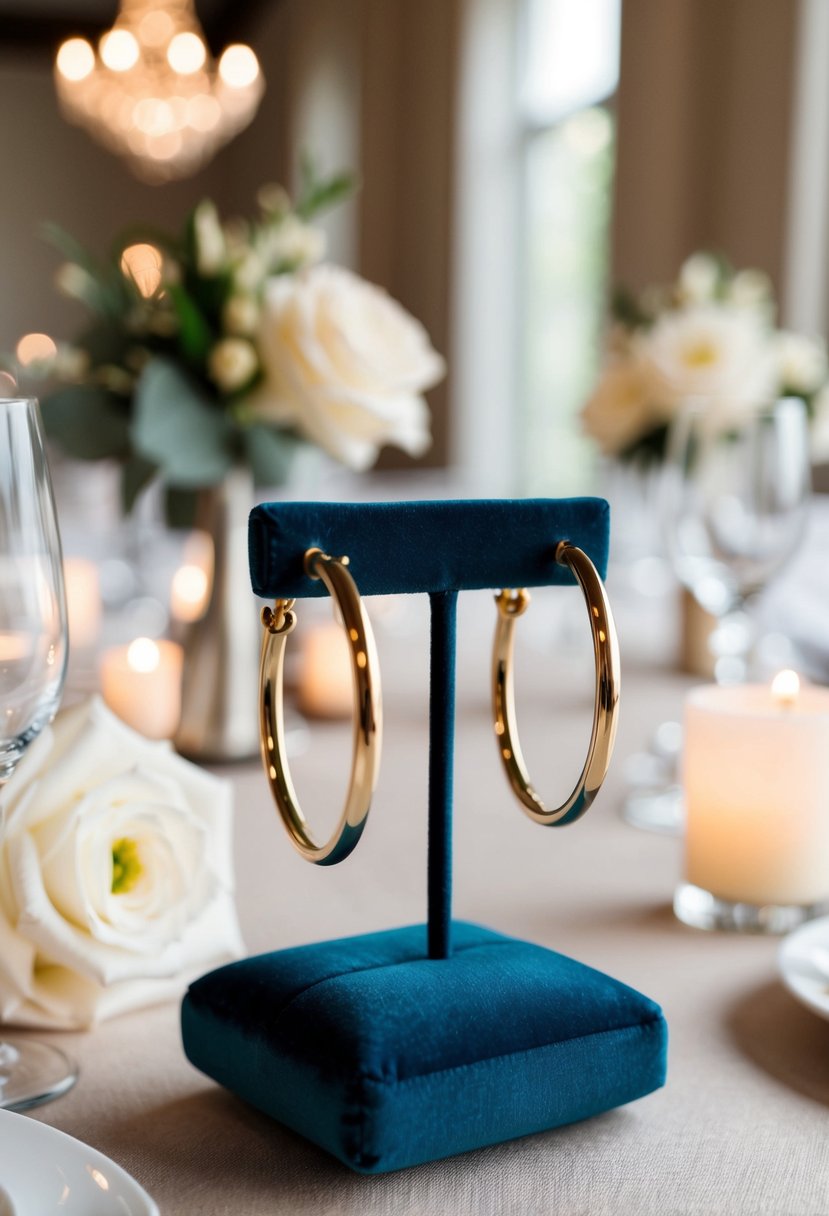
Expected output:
(711, 334)
(231, 343)
(116, 879)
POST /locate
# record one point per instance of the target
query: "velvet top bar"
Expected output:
(409, 547)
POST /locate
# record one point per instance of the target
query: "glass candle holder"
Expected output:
(756, 788)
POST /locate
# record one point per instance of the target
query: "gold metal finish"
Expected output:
(279, 622)
(511, 605)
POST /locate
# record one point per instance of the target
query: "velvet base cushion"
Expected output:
(388, 1059)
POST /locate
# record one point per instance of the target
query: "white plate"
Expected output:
(43, 1171)
(804, 965)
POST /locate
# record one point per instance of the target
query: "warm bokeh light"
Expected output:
(143, 655)
(119, 50)
(154, 93)
(238, 66)
(76, 59)
(785, 687)
(155, 28)
(35, 348)
(188, 594)
(203, 112)
(186, 53)
(143, 264)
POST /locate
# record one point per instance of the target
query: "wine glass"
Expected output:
(734, 506)
(33, 655)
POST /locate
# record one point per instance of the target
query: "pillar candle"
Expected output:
(756, 784)
(141, 683)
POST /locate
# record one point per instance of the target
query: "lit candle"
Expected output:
(756, 782)
(188, 594)
(83, 601)
(141, 683)
(192, 582)
(326, 687)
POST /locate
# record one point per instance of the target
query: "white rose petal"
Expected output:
(345, 364)
(115, 874)
(623, 407)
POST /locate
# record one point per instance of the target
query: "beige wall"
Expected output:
(704, 112)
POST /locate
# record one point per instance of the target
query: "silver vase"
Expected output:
(219, 707)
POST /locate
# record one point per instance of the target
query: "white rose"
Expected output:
(211, 252)
(115, 874)
(345, 364)
(751, 289)
(249, 273)
(622, 408)
(232, 363)
(714, 351)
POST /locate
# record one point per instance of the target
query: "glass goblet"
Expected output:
(735, 503)
(33, 654)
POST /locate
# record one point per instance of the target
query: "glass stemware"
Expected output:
(734, 506)
(33, 655)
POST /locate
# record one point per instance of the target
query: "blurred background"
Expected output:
(517, 159)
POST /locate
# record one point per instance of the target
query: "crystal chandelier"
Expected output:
(153, 93)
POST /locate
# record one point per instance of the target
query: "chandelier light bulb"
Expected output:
(119, 50)
(154, 94)
(186, 53)
(76, 59)
(143, 264)
(238, 66)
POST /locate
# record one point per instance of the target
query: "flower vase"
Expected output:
(219, 707)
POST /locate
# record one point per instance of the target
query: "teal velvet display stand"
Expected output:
(403, 1046)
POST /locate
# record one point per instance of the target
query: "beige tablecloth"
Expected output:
(743, 1124)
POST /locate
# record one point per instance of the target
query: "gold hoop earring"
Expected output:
(279, 622)
(511, 605)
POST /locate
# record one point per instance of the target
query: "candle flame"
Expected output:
(785, 687)
(143, 655)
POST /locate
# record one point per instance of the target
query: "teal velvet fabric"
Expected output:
(386, 1058)
(408, 547)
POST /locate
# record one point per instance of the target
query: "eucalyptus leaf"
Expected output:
(188, 436)
(270, 453)
(136, 475)
(88, 423)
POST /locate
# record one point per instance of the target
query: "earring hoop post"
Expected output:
(279, 623)
(511, 605)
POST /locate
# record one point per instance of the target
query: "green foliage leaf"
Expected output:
(136, 475)
(88, 423)
(269, 453)
(189, 437)
(319, 194)
(625, 308)
(195, 335)
(180, 507)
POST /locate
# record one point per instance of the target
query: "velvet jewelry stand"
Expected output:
(413, 1044)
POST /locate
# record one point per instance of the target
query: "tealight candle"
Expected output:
(756, 785)
(141, 683)
(189, 593)
(83, 601)
(326, 688)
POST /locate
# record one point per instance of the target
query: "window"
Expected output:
(568, 71)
